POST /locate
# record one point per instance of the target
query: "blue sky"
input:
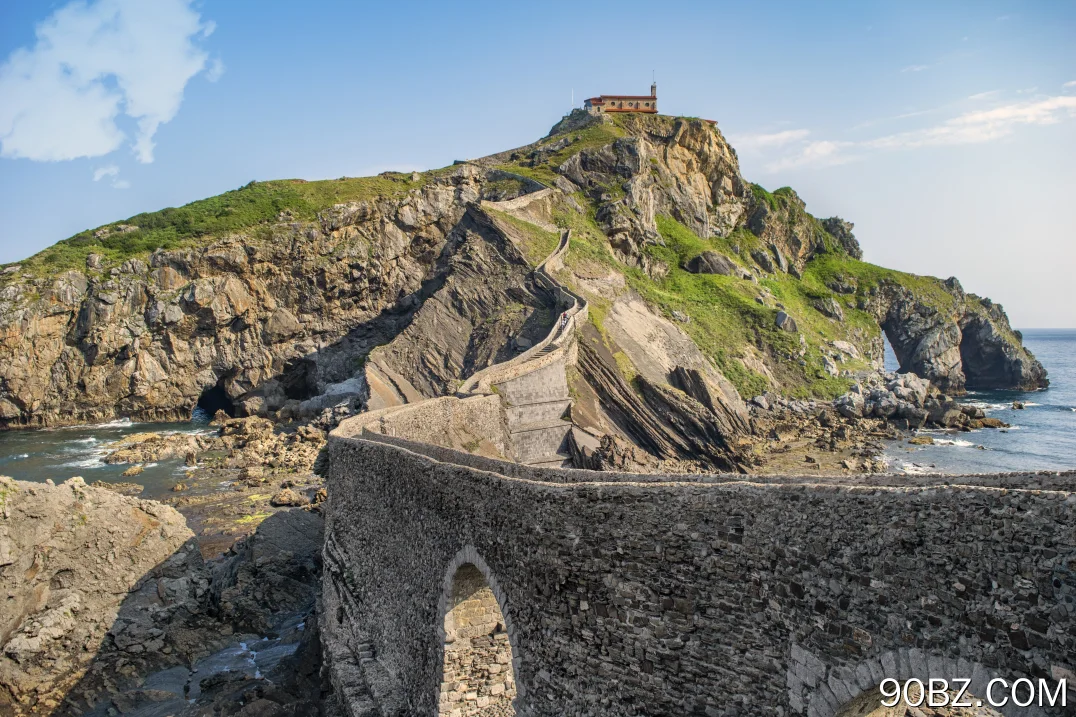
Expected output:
(945, 131)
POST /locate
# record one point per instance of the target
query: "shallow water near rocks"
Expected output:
(60, 453)
(1043, 434)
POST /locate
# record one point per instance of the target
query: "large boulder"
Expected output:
(62, 598)
(786, 322)
(710, 262)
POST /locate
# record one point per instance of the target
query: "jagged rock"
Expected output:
(133, 471)
(764, 260)
(842, 232)
(850, 405)
(829, 307)
(710, 262)
(59, 598)
(785, 322)
(939, 338)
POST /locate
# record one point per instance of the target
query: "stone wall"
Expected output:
(655, 595)
(477, 675)
(474, 424)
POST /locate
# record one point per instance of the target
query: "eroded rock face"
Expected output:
(956, 342)
(146, 339)
(69, 555)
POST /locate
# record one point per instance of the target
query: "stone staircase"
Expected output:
(535, 402)
(533, 386)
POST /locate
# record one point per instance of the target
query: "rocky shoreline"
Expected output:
(201, 604)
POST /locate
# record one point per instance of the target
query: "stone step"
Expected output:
(556, 460)
(548, 383)
(536, 412)
(536, 440)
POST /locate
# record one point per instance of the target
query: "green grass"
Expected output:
(827, 267)
(538, 243)
(254, 205)
(725, 318)
(597, 135)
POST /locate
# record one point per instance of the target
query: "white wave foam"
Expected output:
(91, 439)
(118, 423)
(947, 442)
(20, 456)
(151, 465)
(987, 406)
(915, 468)
(94, 462)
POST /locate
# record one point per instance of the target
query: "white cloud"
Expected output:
(915, 68)
(983, 95)
(216, 69)
(775, 139)
(974, 127)
(121, 184)
(982, 125)
(823, 153)
(60, 99)
(1071, 83)
(100, 173)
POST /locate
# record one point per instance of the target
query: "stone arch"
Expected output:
(818, 690)
(480, 655)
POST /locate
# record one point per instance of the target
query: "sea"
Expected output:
(61, 453)
(1042, 436)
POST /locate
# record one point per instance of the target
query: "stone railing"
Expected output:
(573, 312)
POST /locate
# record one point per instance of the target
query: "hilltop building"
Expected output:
(624, 103)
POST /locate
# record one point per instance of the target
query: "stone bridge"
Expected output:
(457, 583)
(610, 594)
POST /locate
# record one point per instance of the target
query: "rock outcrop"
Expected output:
(69, 556)
(953, 339)
(286, 308)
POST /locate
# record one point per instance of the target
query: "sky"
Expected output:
(945, 131)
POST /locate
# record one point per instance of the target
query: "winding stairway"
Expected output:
(533, 386)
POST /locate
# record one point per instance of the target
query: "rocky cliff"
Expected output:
(288, 298)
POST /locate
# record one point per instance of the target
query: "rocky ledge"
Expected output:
(111, 609)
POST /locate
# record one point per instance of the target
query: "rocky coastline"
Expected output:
(205, 602)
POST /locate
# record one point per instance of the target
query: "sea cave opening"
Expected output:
(478, 677)
(891, 359)
(213, 399)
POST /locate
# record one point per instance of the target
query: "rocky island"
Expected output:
(612, 318)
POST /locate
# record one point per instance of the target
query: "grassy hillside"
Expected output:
(241, 210)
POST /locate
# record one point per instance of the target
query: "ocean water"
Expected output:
(1043, 434)
(60, 453)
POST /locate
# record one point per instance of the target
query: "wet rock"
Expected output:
(921, 441)
(133, 471)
